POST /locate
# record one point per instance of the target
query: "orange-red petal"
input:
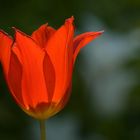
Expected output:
(5, 51)
(60, 51)
(83, 39)
(10, 66)
(42, 34)
(15, 78)
(49, 74)
(33, 83)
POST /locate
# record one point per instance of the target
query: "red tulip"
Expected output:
(38, 68)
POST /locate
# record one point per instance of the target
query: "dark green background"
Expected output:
(84, 118)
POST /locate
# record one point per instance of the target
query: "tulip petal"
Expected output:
(9, 62)
(55, 108)
(64, 99)
(60, 51)
(49, 74)
(5, 51)
(83, 39)
(14, 79)
(42, 35)
(33, 83)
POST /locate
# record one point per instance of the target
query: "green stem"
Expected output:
(42, 130)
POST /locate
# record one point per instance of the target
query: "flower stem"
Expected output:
(42, 130)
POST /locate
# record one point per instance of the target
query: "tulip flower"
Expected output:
(38, 68)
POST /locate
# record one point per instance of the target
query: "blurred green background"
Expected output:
(105, 101)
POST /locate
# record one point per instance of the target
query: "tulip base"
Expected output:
(42, 130)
